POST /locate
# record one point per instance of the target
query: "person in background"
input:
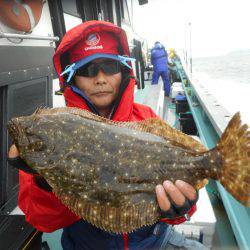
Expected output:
(159, 60)
(94, 68)
(173, 73)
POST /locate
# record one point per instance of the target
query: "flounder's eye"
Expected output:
(37, 146)
(28, 131)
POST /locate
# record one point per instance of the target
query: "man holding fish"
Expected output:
(95, 72)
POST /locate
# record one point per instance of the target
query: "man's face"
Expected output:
(102, 89)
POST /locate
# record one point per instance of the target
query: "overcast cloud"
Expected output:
(217, 26)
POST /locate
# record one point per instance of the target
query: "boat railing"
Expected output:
(30, 37)
(211, 119)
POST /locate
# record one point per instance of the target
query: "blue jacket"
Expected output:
(159, 57)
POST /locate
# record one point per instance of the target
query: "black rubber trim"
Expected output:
(42, 183)
(20, 164)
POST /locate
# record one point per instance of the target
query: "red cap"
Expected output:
(98, 42)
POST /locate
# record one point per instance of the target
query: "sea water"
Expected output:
(227, 78)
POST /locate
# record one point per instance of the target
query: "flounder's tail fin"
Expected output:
(234, 147)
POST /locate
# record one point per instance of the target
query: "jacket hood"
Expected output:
(81, 32)
(124, 106)
(158, 46)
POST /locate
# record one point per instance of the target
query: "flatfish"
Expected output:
(106, 171)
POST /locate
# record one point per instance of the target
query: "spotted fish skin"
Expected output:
(107, 172)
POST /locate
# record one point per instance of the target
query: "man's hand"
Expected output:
(13, 152)
(178, 193)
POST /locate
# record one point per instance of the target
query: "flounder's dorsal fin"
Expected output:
(154, 126)
(75, 111)
(161, 128)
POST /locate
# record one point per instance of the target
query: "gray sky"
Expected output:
(217, 26)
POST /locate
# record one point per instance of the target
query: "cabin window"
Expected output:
(105, 10)
(2, 147)
(122, 11)
(70, 8)
(110, 11)
(118, 12)
(88, 9)
(125, 10)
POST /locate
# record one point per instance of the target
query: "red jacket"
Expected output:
(41, 208)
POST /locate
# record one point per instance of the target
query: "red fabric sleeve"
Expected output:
(42, 209)
(181, 219)
(142, 112)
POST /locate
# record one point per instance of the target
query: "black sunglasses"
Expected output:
(109, 67)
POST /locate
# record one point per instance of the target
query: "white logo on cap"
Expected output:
(93, 39)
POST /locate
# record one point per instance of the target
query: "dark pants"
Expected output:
(160, 236)
(83, 236)
(165, 78)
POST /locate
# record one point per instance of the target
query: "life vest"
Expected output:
(21, 16)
